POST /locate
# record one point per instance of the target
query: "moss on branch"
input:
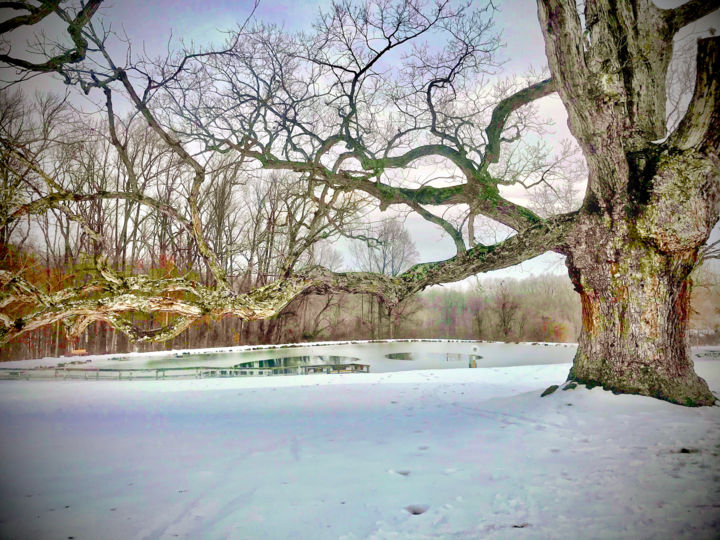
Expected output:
(110, 301)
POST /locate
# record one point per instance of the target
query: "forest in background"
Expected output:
(540, 308)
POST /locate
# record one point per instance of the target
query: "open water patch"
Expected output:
(301, 365)
(436, 360)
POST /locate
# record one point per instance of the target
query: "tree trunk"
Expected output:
(652, 198)
(635, 309)
(57, 340)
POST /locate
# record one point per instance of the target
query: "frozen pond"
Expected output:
(381, 357)
(376, 357)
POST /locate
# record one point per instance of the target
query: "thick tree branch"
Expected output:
(35, 15)
(685, 200)
(688, 13)
(700, 127)
(440, 150)
(74, 29)
(483, 197)
(564, 44)
(446, 226)
(546, 236)
(41, 205)
(502, 112)
(141, 294)
(59, 194)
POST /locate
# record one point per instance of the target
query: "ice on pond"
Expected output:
(388, 356)
(376, 357)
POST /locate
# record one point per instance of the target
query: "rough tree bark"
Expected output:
(650, 204)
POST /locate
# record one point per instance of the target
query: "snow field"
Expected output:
(466, 453)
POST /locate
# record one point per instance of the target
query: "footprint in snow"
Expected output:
(417, 509)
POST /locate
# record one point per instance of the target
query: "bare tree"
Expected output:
(388, 250)
(506, 307)
(325, 107)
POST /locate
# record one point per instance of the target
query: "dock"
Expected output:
(196, 372)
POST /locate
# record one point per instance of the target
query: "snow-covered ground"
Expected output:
(464, 453)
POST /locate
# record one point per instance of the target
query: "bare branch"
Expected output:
(74, 29)
(35, 15)
(503, 110)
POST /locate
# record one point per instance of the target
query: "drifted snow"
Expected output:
(465, 453)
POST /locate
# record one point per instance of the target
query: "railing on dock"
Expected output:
(198, 372)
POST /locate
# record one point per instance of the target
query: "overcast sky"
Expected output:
(201, 21)
(149, 25)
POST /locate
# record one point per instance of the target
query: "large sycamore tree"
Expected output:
(368, 95)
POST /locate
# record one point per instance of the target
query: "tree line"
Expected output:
(533, 309)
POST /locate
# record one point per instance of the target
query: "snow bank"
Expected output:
(467, 453)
